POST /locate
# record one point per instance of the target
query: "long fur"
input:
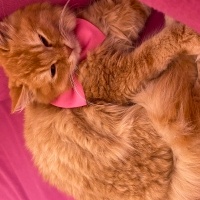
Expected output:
(138, 139)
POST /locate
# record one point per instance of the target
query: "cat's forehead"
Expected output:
(42, 18)
(34, 40)
(37, 15)
(41, 15)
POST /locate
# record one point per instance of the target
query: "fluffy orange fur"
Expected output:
(138, 139)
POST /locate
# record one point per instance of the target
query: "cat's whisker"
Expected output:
(61, 19)
(67, 22)
(71, 79)
(76, 71)
(62, 22)
(76, 89)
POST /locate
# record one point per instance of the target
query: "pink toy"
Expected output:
(89, 37)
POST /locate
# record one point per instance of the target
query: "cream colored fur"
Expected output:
(138, 138)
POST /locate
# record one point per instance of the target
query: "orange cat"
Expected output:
(139, 138)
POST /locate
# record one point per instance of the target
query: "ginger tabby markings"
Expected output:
(139, 137)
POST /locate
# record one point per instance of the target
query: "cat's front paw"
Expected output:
(186, 38)
(190, 40)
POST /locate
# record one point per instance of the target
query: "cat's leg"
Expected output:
(126, 74)
(120, 20)
(153, 56)
(175, 113)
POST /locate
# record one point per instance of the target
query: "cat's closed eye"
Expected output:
(45, 42)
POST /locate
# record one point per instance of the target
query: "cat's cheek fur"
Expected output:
(20, 97)
(3, 37)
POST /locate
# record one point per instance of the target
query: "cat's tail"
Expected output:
(175, 115)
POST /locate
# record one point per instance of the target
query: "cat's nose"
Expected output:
(68, 49)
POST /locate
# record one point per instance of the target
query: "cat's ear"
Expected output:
(20, 96)
(4, 36)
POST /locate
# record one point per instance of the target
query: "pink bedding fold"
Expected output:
(186, 11)
(19, 179)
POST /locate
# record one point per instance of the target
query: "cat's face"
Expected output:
(38, 52)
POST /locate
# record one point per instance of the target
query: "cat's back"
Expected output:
(99, 151)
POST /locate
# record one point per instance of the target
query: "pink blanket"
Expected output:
(186, 11)
(19, 179)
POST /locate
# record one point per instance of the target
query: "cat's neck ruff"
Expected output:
(89, 37)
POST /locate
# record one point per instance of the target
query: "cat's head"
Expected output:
(38, 52)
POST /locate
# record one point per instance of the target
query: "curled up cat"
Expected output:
(138, 137)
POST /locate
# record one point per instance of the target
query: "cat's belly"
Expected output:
(99, 152)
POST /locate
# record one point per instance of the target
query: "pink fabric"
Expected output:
(4, 94)
(186, 11)
(9, 6)
(73, 98)
(89, 37)
(19, 179)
